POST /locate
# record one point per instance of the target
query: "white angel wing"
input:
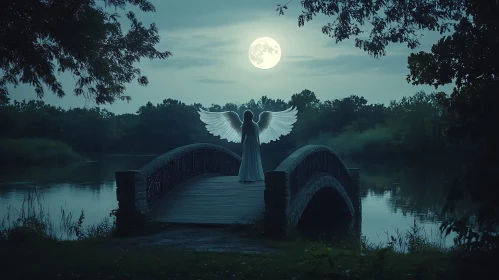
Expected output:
(273, 125)
(227, 125)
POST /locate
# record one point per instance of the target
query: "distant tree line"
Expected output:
(411, 127)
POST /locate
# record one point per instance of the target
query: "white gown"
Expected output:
(251, 169)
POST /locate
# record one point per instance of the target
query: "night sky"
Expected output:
(210, 40)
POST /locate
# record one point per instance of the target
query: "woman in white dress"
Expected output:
(251, 169)
(270, 127)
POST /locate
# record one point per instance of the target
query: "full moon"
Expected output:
(264, 53)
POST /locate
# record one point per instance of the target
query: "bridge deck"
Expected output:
(212, 199)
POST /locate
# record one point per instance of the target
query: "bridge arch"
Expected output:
(138, 190)
(319, 182)
(291, 186)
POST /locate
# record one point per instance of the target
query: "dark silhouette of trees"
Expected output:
(39, 38)
(466, 56)
(389, 21)
(413, 124)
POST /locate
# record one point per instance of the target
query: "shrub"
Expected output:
(36, 151)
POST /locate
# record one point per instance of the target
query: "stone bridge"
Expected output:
(198, 184)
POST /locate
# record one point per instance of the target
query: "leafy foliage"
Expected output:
(41, 37)
(467, 57)
(390, 21)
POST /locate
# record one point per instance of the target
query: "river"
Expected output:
(393, 195)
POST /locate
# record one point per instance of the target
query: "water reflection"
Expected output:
(393, 197)
(86, 186)
(414, 190)
(392, 194)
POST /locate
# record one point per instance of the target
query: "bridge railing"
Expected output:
(284, 183)
(138, 190)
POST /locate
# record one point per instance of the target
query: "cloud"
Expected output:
(205, 43)
(214, 81)
(351, 64)
(192, 44)
(299, 56)
(426, 39)
(195, 13)
(214, 44)
(183, 62)
(192, 50)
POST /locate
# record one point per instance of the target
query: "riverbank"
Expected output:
(173, 252)
(32, 259)
(28, 250)
(36, 151)
(306, 260)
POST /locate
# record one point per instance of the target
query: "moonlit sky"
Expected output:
(210, 40)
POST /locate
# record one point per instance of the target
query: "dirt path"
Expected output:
(197, 238)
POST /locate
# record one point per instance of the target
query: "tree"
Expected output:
(307, 104)
(4, 99)
(392, 21)
(416, 120)
(269, 104)
(467, 57)
(41, 37)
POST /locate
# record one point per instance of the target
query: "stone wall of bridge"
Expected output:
(138, 190)
(290, 188)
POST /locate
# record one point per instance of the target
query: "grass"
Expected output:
(414, 241)
(31, 248)
(36, 151)
(33, 222)
(87, 260)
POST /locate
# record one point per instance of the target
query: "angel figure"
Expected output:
(270, 127)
